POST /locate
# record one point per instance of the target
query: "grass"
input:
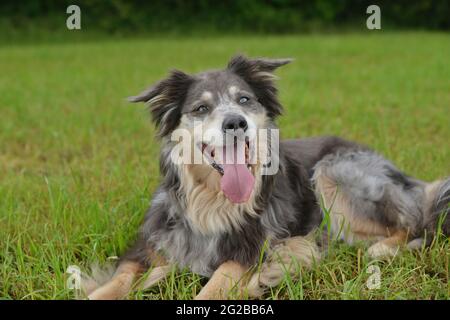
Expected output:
(78, 164)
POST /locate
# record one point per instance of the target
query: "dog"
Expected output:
(244, 229)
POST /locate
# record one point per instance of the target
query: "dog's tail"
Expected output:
(437, 208)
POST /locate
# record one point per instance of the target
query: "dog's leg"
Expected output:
(156, 275)
(389, 246)
(134, 262)
(120, 284)
(225, 278)
(284, 258)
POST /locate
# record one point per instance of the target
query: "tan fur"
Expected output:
(155, 275)
(155, 259)
(345, 223)
(284, 258)
(159, 99)
(431, 190)
(389, 246)
(348, 225)
(265, 76)
(207, 207)
(228, 276)
(120, 284)
(96, 278)
(117, 286)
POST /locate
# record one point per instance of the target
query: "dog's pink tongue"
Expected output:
(237, 182)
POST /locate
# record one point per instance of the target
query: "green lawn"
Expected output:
(78, 163)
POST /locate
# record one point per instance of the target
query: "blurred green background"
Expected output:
(35, 19)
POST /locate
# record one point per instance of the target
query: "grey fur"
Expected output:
(376, 188)
(439, 212)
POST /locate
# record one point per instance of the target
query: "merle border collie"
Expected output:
(244, 226)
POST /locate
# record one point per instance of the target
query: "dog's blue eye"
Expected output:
(243, 100)
(201, 109)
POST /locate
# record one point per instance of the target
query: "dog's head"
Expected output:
(222, 111)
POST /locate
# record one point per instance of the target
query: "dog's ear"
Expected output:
(165, 99)
(241, 62)
(258, 74)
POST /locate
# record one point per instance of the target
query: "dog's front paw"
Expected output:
(98, 295)
(208, 295)
(382, 250)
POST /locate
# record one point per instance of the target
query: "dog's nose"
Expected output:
(234, 122)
